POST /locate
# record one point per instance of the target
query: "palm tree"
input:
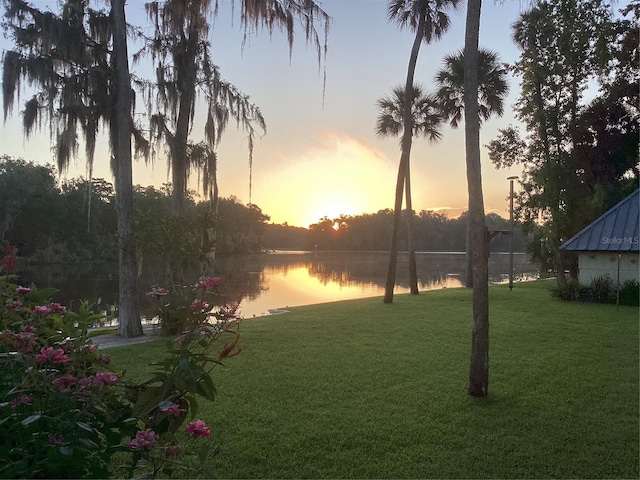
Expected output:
(492, 86)
(429, 20)
(425, 112)
(479, 364)
(492, 90)
(427, 119)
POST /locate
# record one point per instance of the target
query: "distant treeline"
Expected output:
(372, 232)
(75, 221)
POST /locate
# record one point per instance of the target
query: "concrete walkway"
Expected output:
(114, 340)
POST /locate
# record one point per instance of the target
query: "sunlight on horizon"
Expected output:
(340, 175)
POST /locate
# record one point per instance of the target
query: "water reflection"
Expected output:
(279, 279)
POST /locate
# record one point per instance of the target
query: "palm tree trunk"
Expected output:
(469, 256)
(411, 244)
(129, 324)
(407, 135)
(393, 251)
(479, 367)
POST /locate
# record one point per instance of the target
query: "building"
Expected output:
(610, 245)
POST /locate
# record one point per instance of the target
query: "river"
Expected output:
(281, 279)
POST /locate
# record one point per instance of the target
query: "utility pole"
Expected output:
(511, 179)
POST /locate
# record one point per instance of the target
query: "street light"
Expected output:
(511, 179)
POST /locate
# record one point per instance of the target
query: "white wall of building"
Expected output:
(592, 265)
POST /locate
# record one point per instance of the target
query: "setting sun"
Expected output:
(338, 176)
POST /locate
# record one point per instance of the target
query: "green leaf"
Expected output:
(84, 426)
(206, 388)
(193, 405)
(65, 450)
(89, 443)
(147, 400)
(30, 419)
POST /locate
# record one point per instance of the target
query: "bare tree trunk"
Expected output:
(407, 137)
(185, 63)
(129, 324)
(479, 367)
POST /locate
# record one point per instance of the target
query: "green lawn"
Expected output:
(368, 390)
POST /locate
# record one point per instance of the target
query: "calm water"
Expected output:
(282, 279)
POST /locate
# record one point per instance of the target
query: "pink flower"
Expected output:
(55, 439)
(173, 411)
(13, 304)
(55, 356)
(102, 358)
(41, 310)
(84, 382)
(90, 348)
(208, 282)
(63, 383)
(198, 429)
(25, 339)
(55, 307)
(145, 439)
(105, 378)
(23, 290)
(28, 329)
(26, 399)
(172, 450)
(199, 306)
(157, 292)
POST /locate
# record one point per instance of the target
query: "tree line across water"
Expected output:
(434, 232)
(74, 220)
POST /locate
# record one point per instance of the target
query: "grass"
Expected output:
(368, 390)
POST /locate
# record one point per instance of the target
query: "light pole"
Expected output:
(511, 179)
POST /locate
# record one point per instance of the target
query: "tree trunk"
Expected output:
(185, 62)
(129, 324)
(407, 135)
(479, 367)
(393, 251)
(411, 244)
(469, 256)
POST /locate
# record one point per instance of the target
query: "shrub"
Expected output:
(65, 412)
(630, 293)
(601, 290)
(569, 291)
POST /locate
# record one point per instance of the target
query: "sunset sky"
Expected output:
(326, 160)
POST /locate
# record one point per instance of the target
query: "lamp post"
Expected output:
(511, 179)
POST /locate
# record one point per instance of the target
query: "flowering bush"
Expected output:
(64, 410)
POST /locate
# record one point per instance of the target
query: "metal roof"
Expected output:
(614, 231)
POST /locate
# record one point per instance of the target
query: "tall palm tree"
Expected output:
(492, 90)
(429, 20)
(426, 119)
(479, 364)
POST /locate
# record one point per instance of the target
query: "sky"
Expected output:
(320, 156)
